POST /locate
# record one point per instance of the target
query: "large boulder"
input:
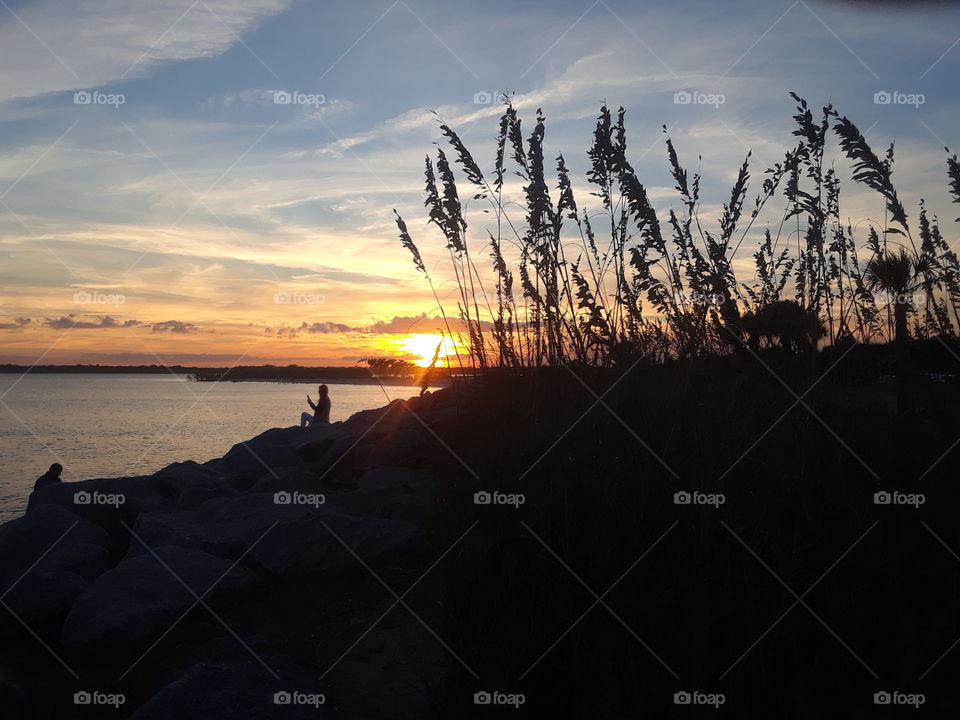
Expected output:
(50, 539)
(409, 494)
(111, 503)
(46, 560)
(220, 526)
(192, 483)
(371, 438)
(287, 539)
(38, 602)
(145, 594)
(329, 542)
(227, 691)
(273, 448)
(390, 493)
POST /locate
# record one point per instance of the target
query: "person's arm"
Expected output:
(310, 402)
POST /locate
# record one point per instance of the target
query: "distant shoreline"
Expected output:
(348, 375)
(435, 382)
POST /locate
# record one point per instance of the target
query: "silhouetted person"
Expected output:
(321, 410)
(50, 477)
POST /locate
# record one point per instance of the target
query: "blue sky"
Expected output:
(198, 199)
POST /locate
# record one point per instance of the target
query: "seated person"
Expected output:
(50, 477)
(321, 410)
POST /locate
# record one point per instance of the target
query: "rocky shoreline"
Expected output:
(264, 577)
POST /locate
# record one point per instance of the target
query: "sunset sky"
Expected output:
(183, 215)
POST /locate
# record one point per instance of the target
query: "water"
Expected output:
(114, 425)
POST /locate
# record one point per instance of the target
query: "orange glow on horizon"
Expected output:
(424, 345)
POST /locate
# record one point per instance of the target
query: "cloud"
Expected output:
(327, 327)
(70, 322)
(406, 324)
(71, 46)
(174, 326)
(16, 324)
(397, 325)
(108, 322)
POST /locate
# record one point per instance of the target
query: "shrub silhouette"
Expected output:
(783, 322)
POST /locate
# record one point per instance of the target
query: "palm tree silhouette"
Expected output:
(895, 273)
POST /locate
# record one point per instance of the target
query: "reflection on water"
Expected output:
(112, 425)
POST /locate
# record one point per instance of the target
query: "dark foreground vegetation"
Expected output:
(583, 585)
(600, 285)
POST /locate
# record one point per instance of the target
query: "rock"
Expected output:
(11, 697)
(398, 671)
(192, 484)
(288, 479)
(60, 554)
(314, 439)
(391, 493)
(235, 690)
(55, 539)
(220, 526)
(273, 448)
(316, 544)
(144, 595)
(110, 503)
(40, 600)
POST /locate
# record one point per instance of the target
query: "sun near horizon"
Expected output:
(423, 346)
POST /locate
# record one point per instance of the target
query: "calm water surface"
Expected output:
(113, 425)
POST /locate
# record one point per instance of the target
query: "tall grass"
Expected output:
(604, 286)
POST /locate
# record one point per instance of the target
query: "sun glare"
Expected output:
(423, 346)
